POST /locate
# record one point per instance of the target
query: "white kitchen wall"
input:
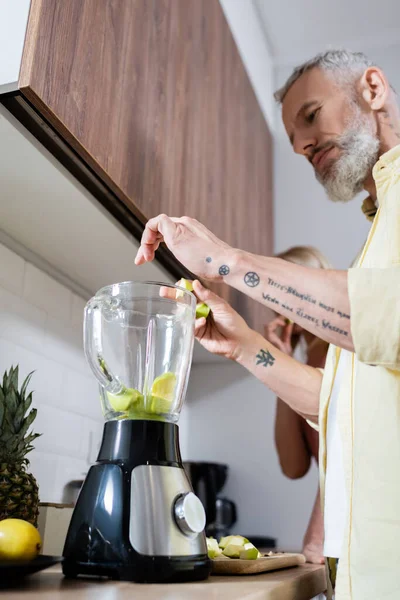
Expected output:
(41, 330)
(13, 21)
(229, 418)
(247, 30)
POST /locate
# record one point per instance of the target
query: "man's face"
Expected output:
(327, 126)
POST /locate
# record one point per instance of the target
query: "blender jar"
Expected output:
(138, 340)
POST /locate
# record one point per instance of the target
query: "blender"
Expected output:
(136, 517)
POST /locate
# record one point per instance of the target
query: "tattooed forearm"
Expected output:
(265, 358)
(290, 290)
(303, 314)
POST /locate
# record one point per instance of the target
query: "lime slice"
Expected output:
(202, 310)
(125, 400)
(164, 386)
(186, 284)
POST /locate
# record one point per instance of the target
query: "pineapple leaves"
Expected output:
(27, 403)
(14, 377)
(28, 422)
(14, 420)
(25, 384)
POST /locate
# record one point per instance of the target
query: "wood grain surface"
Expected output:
(153, 96)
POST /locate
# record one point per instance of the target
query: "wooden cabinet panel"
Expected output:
(153, 96)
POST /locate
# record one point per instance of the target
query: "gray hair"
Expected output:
(349, 65)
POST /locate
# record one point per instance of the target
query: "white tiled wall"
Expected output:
(41, 330)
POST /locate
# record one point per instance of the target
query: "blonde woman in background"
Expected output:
(296, 442)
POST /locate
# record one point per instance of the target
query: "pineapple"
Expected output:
(19, 493)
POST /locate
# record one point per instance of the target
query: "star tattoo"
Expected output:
(224, 270)
(251, 279)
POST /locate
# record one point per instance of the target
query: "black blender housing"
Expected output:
(97, 542)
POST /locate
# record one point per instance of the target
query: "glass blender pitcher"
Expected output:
(138, 340)
(137, 517)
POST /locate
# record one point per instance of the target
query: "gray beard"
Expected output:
(345, 178)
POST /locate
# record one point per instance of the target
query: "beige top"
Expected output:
(299, 583)
(368, 405)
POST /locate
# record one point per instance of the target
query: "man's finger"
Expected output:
(206, 296)
(199, 325)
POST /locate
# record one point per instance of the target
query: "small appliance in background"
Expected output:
(53, 523)
(207, 480)
(136, 517)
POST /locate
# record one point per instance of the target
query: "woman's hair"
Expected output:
(306, 256)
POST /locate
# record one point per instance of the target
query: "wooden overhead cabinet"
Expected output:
(151, 99)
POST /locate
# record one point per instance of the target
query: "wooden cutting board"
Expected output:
(234, 566)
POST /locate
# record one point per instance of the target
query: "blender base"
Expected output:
(155, 570)
(100, 540)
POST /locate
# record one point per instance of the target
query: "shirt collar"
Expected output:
(391, 157)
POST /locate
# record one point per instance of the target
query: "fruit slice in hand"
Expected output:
(127, 399)
(249, 552)
(202, 310)
(186, 284)
(213, 549)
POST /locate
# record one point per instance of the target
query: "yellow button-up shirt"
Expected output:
(369, 404)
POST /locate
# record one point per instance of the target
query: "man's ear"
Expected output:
(374, 88)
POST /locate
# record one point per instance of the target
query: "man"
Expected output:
(341, 114)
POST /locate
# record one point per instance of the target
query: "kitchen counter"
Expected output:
(299, 583)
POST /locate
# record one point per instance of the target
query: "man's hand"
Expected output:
(224, 332)
(194, 245)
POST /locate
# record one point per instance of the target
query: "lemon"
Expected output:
(125, 400)
(19, 540)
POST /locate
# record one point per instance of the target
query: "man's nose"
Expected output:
(304, 146)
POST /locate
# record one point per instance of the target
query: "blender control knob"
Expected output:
(189, 514)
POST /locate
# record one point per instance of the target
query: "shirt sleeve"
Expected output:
(375, 315)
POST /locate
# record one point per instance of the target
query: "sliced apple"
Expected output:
(126, 400)
(212, 548)
(232, 550)
(249, 552)
(238, 540)
(164, 386)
